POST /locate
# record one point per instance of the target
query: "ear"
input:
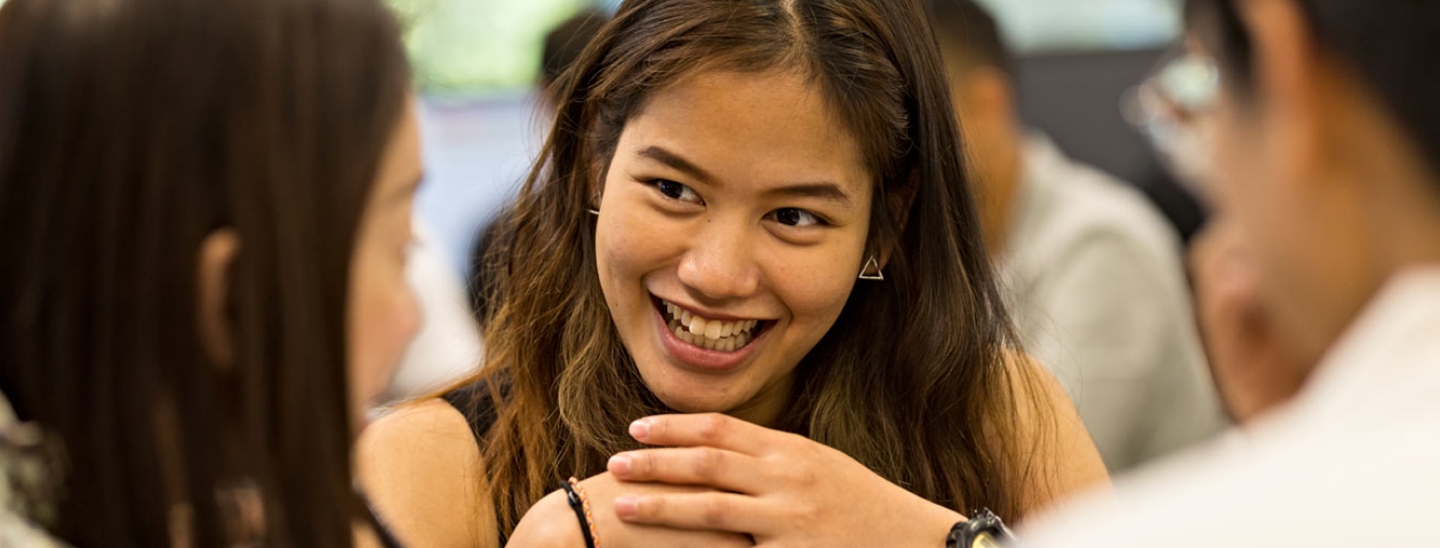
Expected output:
(1291, 79)
(991, 93)
(216, 261)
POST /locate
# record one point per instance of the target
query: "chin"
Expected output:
(693, 395)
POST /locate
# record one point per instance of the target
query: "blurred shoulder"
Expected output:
(422, 469)
(1059, 459)
(1069, 206)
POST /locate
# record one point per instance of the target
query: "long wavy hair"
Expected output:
(914, 380)
(130, 130)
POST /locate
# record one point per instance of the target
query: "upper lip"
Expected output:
(709, 315)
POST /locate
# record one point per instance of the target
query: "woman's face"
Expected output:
(383, 313)
(732, 227)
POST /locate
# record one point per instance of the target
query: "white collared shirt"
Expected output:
(1353, 461)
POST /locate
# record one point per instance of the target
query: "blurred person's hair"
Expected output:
(130, 130)
(966, 29)
(1387, 43)
(566, 41)
(482, 284)
(914, 379)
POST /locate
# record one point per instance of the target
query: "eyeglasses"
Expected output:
(1174, 109)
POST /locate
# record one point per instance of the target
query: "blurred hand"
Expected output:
(779, 488)
(551, 523)
(1254, 368)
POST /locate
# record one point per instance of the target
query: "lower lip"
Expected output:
(703, 358)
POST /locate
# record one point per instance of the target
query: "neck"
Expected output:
(1404, 219)
(1391, 223)
(767, 406)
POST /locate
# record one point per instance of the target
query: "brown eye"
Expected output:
(796, 217)
(676, 191)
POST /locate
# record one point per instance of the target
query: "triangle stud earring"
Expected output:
(871, 271)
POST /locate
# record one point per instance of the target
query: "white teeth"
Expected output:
(713, 334)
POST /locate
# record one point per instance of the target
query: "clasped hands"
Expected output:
(717, 481)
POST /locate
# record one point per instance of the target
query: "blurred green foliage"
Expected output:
(475, 48)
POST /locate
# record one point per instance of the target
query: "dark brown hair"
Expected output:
(972, 34)
(130, 130)
(1385, 42)
(912, 380)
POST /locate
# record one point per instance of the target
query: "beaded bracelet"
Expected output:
(575, 495)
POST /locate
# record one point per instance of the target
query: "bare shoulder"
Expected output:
(1062, 457)
(421, 468)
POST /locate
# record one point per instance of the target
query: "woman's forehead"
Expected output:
(748, 126)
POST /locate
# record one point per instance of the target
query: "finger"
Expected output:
(707, 466)
(728, 512)
(707, 430)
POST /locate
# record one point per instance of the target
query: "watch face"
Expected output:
(985, 540)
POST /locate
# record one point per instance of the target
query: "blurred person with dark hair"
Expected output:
(1091, 270)
(563, 46)
(1326, 260)
(204, 212)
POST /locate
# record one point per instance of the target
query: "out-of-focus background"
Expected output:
(477, 62)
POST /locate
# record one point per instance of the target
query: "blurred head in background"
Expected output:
(983, 86)
(204, 207)
(1327, 148)
(563, 46)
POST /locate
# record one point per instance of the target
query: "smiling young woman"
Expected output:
(720, 178)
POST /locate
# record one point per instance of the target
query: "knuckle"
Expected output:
(651, 508)
(713, 427)
(708, 463)
(804, 477)
(713, 512)
(642, 465)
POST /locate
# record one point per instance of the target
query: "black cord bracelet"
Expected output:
(578, 505)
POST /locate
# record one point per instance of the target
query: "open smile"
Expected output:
(714, 343)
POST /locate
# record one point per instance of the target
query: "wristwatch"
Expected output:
(983, 530)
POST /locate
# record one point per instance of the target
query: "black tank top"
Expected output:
(473, 401)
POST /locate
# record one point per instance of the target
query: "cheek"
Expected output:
(815, 287)
(386, 316)
(627, 247)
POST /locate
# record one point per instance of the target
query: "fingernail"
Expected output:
(619, 465)
(640, 429)
(627, 506)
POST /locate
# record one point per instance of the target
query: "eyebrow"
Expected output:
(822, 190)
(675, 161)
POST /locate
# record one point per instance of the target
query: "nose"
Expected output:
(720, 264)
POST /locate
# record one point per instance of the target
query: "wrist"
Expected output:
(934, 526)
(549, 523)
